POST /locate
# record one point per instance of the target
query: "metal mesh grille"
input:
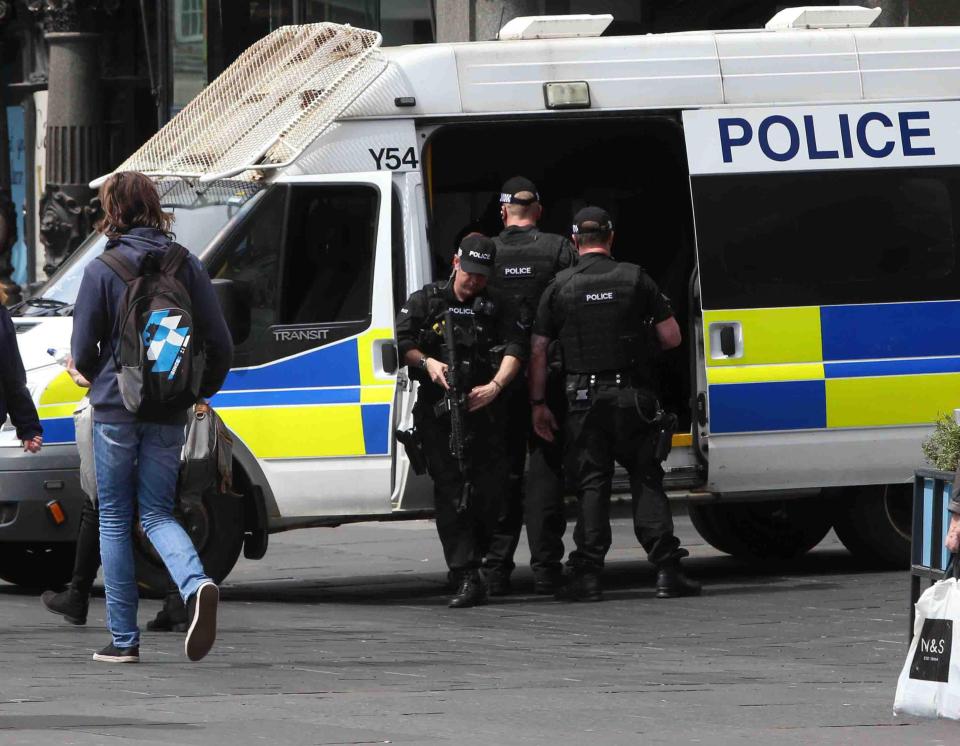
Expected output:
(272, 102)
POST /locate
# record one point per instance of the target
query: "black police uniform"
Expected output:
(464, 535)
(598, 310)
(527, 260)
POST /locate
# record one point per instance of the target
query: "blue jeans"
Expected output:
(137, 466)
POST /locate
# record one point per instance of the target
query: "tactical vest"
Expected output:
(602, 329)
(477, 331)
(523, 269)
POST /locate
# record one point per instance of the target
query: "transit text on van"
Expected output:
(300, 335)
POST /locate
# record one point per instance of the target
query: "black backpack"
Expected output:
(159, 360)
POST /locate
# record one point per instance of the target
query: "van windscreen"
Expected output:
(200, 213)
(825, 238)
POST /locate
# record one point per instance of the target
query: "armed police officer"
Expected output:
(527, 260)
(456, 341)
(610, 318)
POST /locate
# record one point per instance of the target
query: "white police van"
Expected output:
(794, 190)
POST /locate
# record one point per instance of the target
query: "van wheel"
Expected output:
(781, 529)
(216, 528)
(703, 518)
(875, 523)
(37, 565)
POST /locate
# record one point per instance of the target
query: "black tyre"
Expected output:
(875, 522)
(216, 528)
(777, 530)
(704, 520)
(37, 565)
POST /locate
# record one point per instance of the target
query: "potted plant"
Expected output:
(942, 448)
(933, 491)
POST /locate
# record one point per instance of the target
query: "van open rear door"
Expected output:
(829, 278)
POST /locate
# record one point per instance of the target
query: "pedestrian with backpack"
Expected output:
(149, 335)
(15, 399)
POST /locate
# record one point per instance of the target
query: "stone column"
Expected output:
(8, 210)
(74, 143)
(480, 20)
(74, 130)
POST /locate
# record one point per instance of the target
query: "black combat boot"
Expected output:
(472, 591)
(547, 582)
(72, 604)
(172, 617)
(498, 583)
(672, 583)
(581, 585)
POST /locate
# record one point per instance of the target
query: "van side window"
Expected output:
(331, 239)
(825, 238)
(251, 259)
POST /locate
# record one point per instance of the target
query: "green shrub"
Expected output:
(942, 449)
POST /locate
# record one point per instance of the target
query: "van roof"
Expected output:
(266, 109)
(668, 71)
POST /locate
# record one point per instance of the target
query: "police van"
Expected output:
(794, 190)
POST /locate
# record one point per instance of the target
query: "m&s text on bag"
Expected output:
(931, 662)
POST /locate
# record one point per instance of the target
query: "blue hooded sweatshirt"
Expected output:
(15, 399)
(96, 334)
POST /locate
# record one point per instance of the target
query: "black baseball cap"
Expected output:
(477, 254)
(512, 187)
(592, 220)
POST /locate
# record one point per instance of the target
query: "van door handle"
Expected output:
(726, 340)
(389, 358)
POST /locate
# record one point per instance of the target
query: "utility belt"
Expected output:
(620, 379)
(581, 389)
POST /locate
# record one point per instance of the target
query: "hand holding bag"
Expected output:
(929, 684)
(207, 459)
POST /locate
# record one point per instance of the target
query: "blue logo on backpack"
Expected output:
(165, 341)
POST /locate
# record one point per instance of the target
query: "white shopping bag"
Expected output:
(83, 424)
(929, 684)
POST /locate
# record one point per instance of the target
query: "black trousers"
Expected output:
(86, 561)
(538, 501)
(610, 427)
(465, 534)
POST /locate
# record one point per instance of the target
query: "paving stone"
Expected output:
(343, 636)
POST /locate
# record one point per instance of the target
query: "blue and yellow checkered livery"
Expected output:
(322, 403)
(816, 367)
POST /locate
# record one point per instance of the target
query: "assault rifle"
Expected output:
(454, 402)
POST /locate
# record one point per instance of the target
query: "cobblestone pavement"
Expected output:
(342, 636)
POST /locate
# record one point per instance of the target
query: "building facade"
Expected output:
(86, 82)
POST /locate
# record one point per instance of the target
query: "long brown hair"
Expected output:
(130, 200)
(3, 295)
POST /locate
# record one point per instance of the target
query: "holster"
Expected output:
(668, 426)
(413, 445)
(664, 426)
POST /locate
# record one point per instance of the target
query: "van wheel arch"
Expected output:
(217, 528)
(37, 565)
